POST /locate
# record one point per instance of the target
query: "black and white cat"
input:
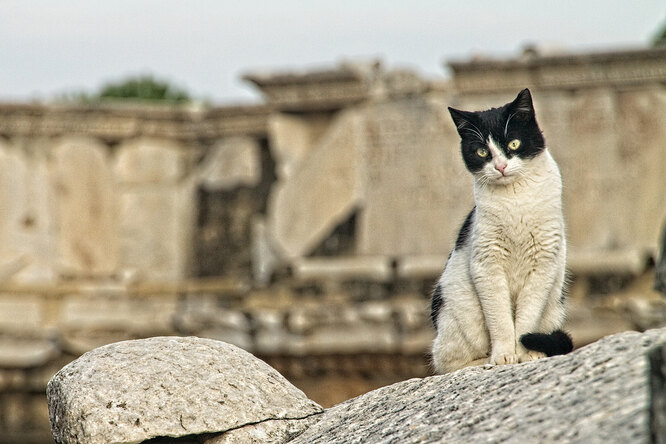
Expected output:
(500, 298)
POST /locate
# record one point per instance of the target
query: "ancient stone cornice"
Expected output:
(570, 71)
(114, 121)
(323, 89)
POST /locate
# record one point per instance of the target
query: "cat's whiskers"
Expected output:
(475, 131)
(506, 125)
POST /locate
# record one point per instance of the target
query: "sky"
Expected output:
(52, 47)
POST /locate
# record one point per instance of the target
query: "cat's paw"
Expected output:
(503, 358)
(530, 355)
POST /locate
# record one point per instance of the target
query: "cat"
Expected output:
(500, 298)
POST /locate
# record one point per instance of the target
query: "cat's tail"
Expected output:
(555, 343)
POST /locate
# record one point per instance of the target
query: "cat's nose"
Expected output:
(501, 166)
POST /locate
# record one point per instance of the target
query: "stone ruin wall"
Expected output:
(308, 230)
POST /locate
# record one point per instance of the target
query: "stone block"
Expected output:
(156, 227)
(200, 311)
(305, 209)
(376, 311)
(271, 335)
(327, 328)
(87, 322)
(155, 208)
(413, 314)
(348, 338)
(132, 391)
(149, 161)
(140, 315)
(627, 261)
(77, 342)
(239, 338)
(416, 189)
(231, 162)
(616, 205)
(421, 267)
(26, 353)
(373, 268)
(342, 338)
(269, 318)
(21, 315)
(204, 317)
(275, 342)
(638, 205)
(307, 317)
(292, 138)
(587, 192)
(86, 207)
(417, 342)
(27, 242)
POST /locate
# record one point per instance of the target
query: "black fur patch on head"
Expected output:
(436, 305)
(473, 135)
(465, 230)
(555, 343)
(515, 120)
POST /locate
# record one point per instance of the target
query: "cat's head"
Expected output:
(498, 144)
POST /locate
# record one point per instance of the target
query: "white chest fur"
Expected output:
(520, 225)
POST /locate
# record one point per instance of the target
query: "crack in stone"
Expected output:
(203, 436)
(271, 419)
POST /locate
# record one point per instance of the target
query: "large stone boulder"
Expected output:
(132, 391)
(597, 394)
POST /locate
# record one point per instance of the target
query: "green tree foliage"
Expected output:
(144, 88)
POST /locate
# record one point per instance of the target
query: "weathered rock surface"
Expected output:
(597, 394)
(132, 391)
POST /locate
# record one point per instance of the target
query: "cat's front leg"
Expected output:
(493, 292)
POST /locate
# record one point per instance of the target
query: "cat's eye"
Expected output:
(482, 152)
(514, 144)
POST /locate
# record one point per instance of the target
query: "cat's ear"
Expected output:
(522, 105)
(462, 119)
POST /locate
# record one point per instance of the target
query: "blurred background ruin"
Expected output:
(163, 173)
